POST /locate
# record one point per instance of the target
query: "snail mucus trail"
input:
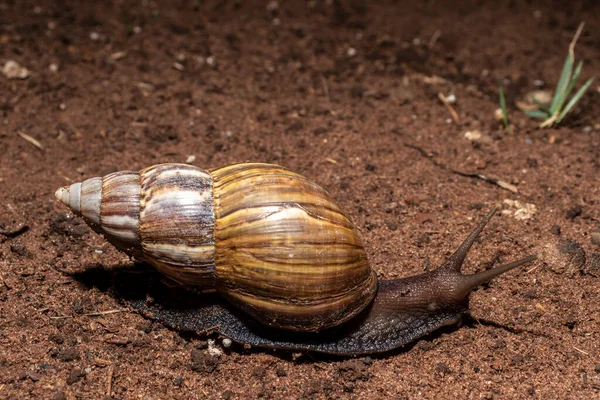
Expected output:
(288, 265)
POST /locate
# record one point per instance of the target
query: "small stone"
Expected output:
(202, 362)
(367, 360)
(480, 164)
(280, 372)
(477, 136)
(57, 338)
(391, 225)
(564, 257)
(190, 159)
(595, 238)
(443, 368)
(60, 396)
(213, 350)
(555, 230)
(498, 114)
(75, 376)
(34, 376)
(519, 210)
(69, 354)
(19, 249)
(351, 52)
(203, 344)
(13, 70)
(389, 207)
(574, 212)
(117, 56)
(226, 343)
(593, 268)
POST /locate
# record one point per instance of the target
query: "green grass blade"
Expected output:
(503, 107)
(575, 99)
(574, 79)
(561, 86)
(537, 114)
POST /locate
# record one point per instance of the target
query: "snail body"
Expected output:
(289, 263)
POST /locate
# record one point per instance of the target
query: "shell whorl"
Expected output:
(162, 215)
(285, 252)
(177, 222)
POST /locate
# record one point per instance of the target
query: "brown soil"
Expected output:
(334, 90)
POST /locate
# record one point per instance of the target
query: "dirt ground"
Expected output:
(343, 92)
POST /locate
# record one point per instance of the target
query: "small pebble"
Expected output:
(213, 350)
(595, 238)
(202, 362)
(13, 70)
(190, 159)
(60, 396)
(227, 343)
(477, 136)
(564, 257)
(203, 344)
(555, 230)
(574, 212)
(75, 376)
(498, 114)
(593, 267)
(34, 376)
(69, 354)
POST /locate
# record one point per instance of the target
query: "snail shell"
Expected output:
(270, 241)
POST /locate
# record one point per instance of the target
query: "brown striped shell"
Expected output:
(272, 242)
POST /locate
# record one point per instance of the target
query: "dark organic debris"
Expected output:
(14, 232)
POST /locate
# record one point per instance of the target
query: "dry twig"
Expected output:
(498, 182)
(99, 313)
(451, 109)
(109, 373)
(31, 140)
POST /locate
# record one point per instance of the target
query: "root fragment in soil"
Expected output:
(498, 182)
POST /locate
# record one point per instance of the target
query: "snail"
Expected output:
(289, 264)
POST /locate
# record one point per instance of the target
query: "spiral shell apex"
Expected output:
(270, 241)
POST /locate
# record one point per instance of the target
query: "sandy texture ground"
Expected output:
(345, 93)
